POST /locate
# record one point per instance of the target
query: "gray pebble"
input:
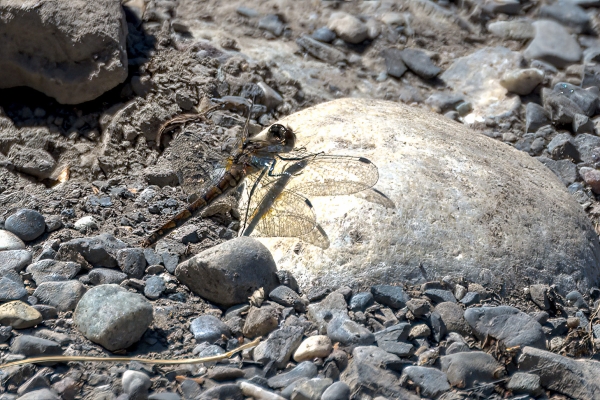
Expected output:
(132, 262)
(393, 62)
(554, 44)
(270, 96)
(311, 389)
(136, 385)
(337, 391)
(32, 346)
(568, 14)
(439, 295)
(469, 368)
(40, 394)
(15, 260)
(96, 311)
(271, 23)
(155, 286)
(165, 395)
(575, 299)
(12, 287)
(420, 63)
(5, 333)
(26, 224)
(536, 116)
(104, 276)
(522, 382)
(320, 50)
(227, 274)
(539, 295)
(471, 298)
(324, 35)
(431, 381)
(247, 12)
(347, 332)
(360, 301)
(391, 296)
(47, 312)
(288, 298)
(208, 328)
(508, 324)
(305, 369)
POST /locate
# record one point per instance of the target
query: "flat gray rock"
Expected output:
(33, 346)
(569, 14)
(52, 270)
(279, 346)
(305, 369)
(577, 379)
(432, 381)
(12, 287)
(112, 317)
(464, 369)
(103, 276)
(478, 74)
(332, 306)
(227, 274)
(544, 230)
(349, 333)
(513, 327)
(73, 54)
(372, 371)
(63, 295)
(554, 44)
(565, 170)
(15, 260)
(99, 251)
(453, 317)
(35, 162)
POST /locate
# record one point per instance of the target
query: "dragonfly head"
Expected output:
(280, 139)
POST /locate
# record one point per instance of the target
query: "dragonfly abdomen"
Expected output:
(231, 179)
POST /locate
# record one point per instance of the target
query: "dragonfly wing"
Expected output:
(273, 211)
(330, 175)
(291, 215)
(196, 165)
(317, 237)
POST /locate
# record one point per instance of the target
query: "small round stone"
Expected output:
(136, 384)
(26, 224)
(10, 241)
(208, 328)
(19, 315)
(87, 222)
(312, 347)
(155, 285)
(419, 331)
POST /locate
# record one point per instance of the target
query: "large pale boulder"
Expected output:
(70, 50)
(464, 205)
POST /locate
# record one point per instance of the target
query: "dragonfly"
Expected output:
(278, 178)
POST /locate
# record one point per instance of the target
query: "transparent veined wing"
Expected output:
(331, 175)
(196, 164)
(273, 211)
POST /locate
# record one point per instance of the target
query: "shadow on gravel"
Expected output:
(27, 107)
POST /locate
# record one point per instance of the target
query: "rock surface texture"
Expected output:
(468, 205)
(72, 51)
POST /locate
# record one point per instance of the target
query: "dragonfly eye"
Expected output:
(277, 131)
